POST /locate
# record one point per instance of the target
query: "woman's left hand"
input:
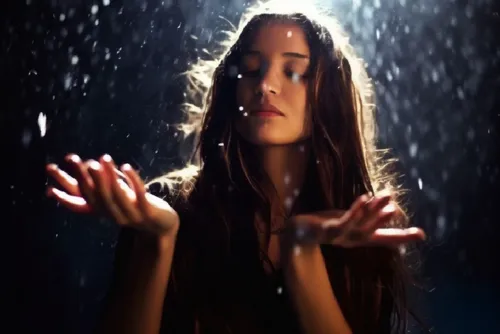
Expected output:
(364, 224)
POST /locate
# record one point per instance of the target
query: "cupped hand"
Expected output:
(364, 224)
(99, 188)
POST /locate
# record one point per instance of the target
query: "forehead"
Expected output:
(278, 37)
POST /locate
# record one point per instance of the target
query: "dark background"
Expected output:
(105, 79)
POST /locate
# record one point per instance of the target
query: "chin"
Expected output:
(269, 139)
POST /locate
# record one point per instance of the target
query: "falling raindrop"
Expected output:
(42, 124)
(287, 179)
(26, 138)
(296, 250)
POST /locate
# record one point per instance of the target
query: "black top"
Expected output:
(231, 296)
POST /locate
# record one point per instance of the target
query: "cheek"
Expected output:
(300, 106)
(297, 101)
(243, 92)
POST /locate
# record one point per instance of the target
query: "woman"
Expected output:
(274, 232)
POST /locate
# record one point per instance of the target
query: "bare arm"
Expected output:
(135, 301)
(145, 249)
(311, 293)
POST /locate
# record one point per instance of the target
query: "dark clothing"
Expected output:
(231, 295)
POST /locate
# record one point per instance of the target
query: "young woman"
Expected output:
(283, 226)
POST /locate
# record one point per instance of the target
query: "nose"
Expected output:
(269, 83)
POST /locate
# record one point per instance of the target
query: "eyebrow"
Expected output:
(284, 54)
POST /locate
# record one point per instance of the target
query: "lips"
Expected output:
(266, 110)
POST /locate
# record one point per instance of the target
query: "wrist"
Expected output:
(295, 255)
(155, 244)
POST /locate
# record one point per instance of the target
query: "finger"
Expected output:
(374, 204)
(74, 203)
(355, 217)
(124, 177)
(370, 222)
(82, 176)
(379, 209)
(104, 197)
(123, 196)
(355, 213)
(396, 236)
(140, 189)
(69, 183)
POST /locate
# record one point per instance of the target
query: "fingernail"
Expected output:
(94, 165)
(107, 158)
(51, 167)
(126, 167)
(389, 208)
(74, 158)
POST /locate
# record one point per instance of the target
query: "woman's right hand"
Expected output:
(97, 189)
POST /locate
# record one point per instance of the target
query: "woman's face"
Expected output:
(272, 90)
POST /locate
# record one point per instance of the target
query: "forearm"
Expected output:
(136, 304)
(311, 293)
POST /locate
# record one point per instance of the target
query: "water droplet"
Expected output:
(413, 150)
(105, 2)
(74, 60)
(79, 28)
(287, 179)
(82, 280)
(300, 232)
(279, 290)
(239, 76)
(441, 226)
(68, 80)
(42, 124)
(94, 9)
(296, 250)
(289, 34)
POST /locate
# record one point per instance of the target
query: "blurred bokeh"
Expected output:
(102, 76)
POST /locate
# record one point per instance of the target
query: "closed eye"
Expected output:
(251, 73)
(294, 75)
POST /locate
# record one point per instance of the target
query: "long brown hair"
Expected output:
(224, 186)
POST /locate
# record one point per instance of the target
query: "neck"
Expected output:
(286, 167)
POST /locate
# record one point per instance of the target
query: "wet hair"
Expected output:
(223, 186)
